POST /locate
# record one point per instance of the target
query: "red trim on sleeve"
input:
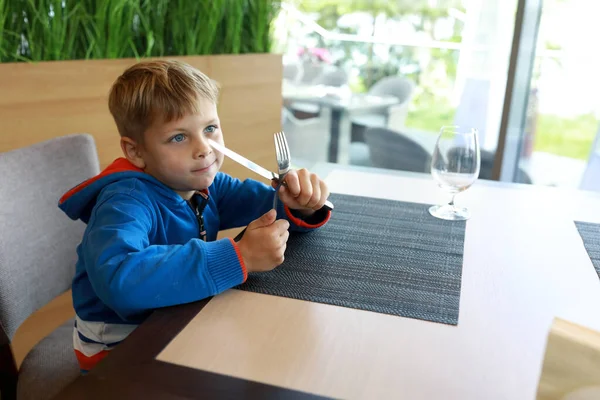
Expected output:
(119, 165)
(87, 363)
(239, 255)
(302, 223)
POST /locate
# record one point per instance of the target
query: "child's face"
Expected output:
(177, 153)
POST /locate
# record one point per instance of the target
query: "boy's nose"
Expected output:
(202, 148)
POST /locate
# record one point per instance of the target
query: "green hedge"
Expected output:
(41, 30)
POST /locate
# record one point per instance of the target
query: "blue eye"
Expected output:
(178, 138)
(210, 129)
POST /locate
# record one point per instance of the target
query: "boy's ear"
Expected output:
(132, 152)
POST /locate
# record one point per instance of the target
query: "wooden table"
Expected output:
(524, 264)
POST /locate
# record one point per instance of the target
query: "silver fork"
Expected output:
(282, 152)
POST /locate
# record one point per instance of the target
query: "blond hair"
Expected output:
(162, 90)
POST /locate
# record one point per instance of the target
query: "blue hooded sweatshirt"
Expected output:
(144, 247)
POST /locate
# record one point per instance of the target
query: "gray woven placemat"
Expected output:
(590, 234)
(378, 255)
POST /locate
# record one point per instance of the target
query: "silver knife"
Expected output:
(265, 173)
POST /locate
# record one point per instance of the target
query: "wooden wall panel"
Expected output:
(39, 101)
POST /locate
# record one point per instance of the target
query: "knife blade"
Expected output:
(251, 165)
(265, 173)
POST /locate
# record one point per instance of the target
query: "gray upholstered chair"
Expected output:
(398, 86)
(333, 76)
(37, 258)
(393, 117)
(308, 138)
(392, 150)
(309, 70)
(487, 166)
(291, 72)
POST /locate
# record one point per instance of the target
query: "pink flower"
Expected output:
(319, 54)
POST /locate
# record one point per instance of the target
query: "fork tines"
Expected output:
(282, 151)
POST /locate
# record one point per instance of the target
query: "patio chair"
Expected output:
(392, 150)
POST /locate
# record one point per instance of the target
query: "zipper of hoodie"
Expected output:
(198, 212)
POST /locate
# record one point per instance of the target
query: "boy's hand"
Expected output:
(305, 191)
(264, 242)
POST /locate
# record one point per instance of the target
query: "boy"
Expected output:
(153, 216)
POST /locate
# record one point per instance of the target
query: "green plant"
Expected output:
(109, 30)
(4, 34)
(49, 29)
(256, 28)
(39, 30)
(230, 35)
(194, 25)
(10, 31)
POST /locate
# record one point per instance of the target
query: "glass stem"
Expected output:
(451, 204)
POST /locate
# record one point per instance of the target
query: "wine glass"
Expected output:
(455, 166)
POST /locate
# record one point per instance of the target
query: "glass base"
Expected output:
(450, 213)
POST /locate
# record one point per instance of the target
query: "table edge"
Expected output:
(131, 369)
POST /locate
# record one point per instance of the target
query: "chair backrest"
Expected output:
(309, 71)
(308, 138)
(291, 71)
(392, 150)
(487, 165)
(37, 240)
(397, 86)
(332, 77)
